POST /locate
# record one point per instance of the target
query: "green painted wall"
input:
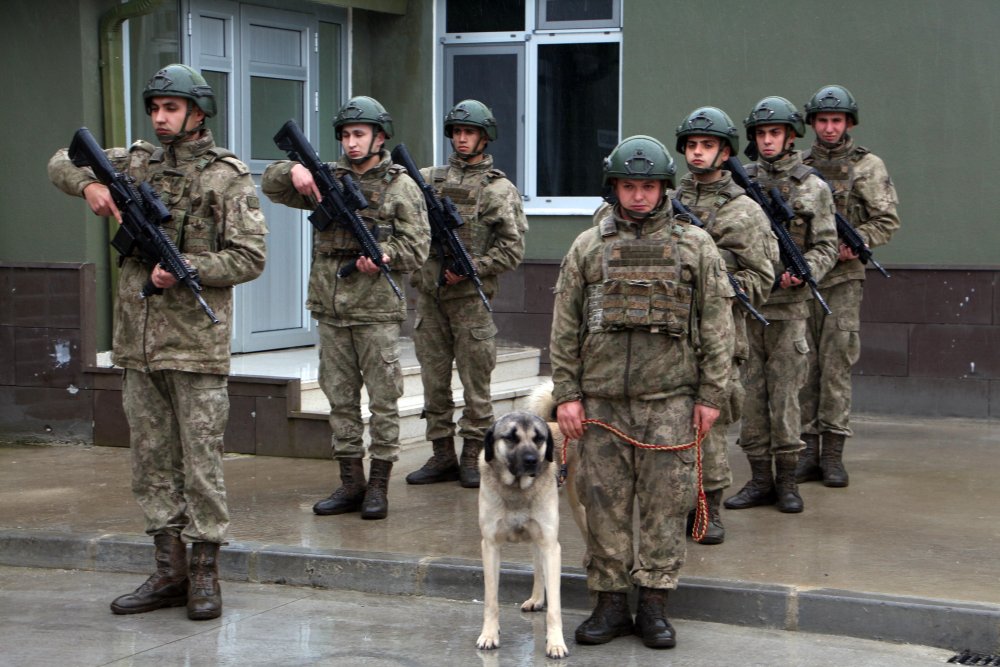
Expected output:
(49, 51)
(925, 73)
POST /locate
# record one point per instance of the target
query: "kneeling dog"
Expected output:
(518, 502)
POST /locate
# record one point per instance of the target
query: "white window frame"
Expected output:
(531, 38)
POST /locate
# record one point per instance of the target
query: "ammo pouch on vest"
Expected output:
(475, 236)
(643, 288)
(337, 239)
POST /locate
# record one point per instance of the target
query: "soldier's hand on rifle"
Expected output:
(452, 278)
(161, 278)
(99, 199)
(365, 265)
(846, 254)
(302, 180)
(788, 280)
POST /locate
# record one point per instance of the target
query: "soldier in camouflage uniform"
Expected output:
(777, 364)
(359, 315)
(865, 196)
(642, 339)
(452, 324)
(742, 233)
(176, 361)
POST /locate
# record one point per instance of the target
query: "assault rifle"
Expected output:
(850, 236)
(143, 215)
(444, 219)
(778, 212)
(682, 211)
(341, 199)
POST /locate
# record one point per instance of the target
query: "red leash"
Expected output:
(701, 507)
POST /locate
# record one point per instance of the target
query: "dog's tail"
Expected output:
(540, 401)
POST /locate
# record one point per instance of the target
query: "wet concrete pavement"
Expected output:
(60, 617)
(909, 552)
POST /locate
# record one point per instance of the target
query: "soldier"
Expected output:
(452, 324)
(359, 315)
(776, 368)
(742, 233)
(642, 340)
(174, 388)
(865, 196)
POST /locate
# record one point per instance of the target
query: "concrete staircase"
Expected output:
(515, 375)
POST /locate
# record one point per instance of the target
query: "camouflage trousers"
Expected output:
(460, 331)
(775, 372)
(176, 422)
(614, 474)
(834, 347)
(349, 357)
(715, 471)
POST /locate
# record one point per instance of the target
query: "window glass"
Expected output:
(154, 43)
(490, 78)
(560, 11)
(219, 125)
(484, 15)
(577, 116)
(272, 103)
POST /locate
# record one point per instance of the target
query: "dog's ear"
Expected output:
(488, 444)
(550, 445)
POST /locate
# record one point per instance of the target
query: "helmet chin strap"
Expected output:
(183, 134)
(367, 156)
(715, 166)
(843, 140)
(479, 150)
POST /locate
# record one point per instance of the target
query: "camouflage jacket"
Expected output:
(863, 193)
(397, 207)
(813, 228)
(494, 228)
(742, 234)
(637, 362)
(216, 223)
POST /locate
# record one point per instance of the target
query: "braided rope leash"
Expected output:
(701, 507)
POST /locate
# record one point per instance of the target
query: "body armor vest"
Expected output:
(476, 236)
(789, 188)
(840, 173)
(337, 239)
(708, 210)
(193, 229)
(643, 287)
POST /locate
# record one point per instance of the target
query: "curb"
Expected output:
(952, 625)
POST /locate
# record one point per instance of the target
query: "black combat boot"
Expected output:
(789, 500)
(350, 494)
(715, 533)
(759, 490)
(442, 466)
(468, 470)
(832, 460)
(651, 622)
(167, 587)
(610, 618)
(204, 596)
(808, 469)
(376, 504)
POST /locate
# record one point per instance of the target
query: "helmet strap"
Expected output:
(183, 134)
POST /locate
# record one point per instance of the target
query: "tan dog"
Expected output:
(519, 502)
(541, 403)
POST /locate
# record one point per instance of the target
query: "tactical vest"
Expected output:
(643, 287)
(193, 227)
(337, 239)
(789, 188)
(708, 210)
(840, 173)
(467, 197)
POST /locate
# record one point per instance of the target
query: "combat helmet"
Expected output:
(832, 98)
(471, 112)
(181, 81)
(710, 121)
(363, 109)
(639, 157)
(773, 111)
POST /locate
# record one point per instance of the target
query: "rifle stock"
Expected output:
(143, 214)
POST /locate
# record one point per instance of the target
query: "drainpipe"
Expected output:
(113, 86)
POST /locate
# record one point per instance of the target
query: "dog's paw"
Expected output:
(556, 649)
(533, 604)
(488, 641)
